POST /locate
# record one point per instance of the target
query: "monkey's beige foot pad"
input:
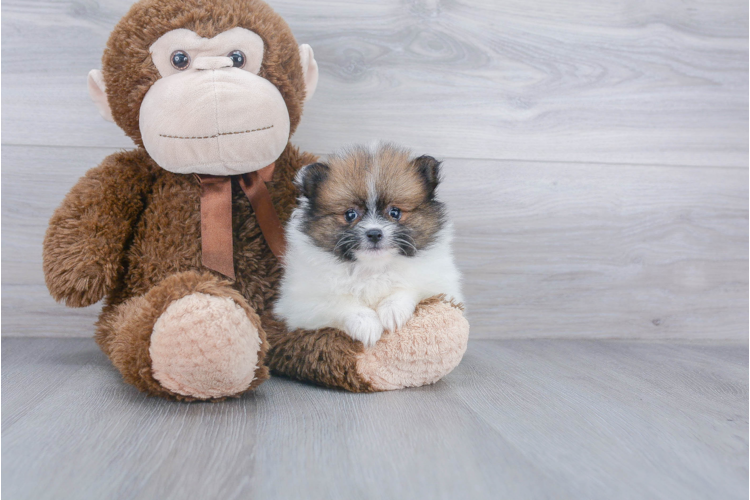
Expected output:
(426, 349)
(204, 346)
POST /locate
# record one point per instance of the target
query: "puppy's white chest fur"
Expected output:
(372, 282)
(363, 298)
(368, 241)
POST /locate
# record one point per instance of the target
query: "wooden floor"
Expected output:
(518, 419)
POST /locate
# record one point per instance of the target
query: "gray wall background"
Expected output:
(596, 153)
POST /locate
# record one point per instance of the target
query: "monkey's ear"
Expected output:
(98, 94)
(309, 69)
(429, 169)
(310, 177)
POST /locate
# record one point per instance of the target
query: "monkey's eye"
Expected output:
(395, 213)
(238, 58)
(351, 215)
(180, 60)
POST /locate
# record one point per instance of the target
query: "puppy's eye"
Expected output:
(395, 213)
(180, 60)
(350, 215)
(238, 58)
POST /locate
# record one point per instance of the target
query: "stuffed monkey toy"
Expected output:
(182, 236)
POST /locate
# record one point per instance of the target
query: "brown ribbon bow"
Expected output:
(216, 217)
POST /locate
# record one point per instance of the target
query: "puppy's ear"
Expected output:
(310, 177)
(429, 168)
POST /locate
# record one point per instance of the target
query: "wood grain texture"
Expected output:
(35, 182)
(547, 249)
(607, 82)
(516, 420)
(568, 250)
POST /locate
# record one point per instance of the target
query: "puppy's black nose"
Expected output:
(374, 235)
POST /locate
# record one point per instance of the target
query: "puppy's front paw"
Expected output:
(395, 311)
(364, 326)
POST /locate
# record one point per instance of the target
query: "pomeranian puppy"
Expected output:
(367, 242)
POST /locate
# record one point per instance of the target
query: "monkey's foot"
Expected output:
(427, 348)
(190, 337)
(204, 347)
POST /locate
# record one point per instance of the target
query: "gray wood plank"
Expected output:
(517, 419)
(36, 180)
(606, 82)
(567, 250)
(37, 369)
(29, 311)
(547, 249)
(633, 393)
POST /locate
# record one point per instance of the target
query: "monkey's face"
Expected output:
(210, 112)
(199, 96)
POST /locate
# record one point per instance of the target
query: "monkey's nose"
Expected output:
(210, 62)
(374, 235)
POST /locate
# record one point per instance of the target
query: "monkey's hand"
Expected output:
(87, 235)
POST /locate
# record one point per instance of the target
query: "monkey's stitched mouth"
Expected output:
(215, 135)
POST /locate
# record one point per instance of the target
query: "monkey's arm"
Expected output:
(88, 234)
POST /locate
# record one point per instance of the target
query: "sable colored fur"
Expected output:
(368, 241)
(345, 182)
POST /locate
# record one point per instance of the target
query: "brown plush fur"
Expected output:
(124, 330)
(129, 231)
(129, 71)
(128, 228)
(85, 245)
(326, 357)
